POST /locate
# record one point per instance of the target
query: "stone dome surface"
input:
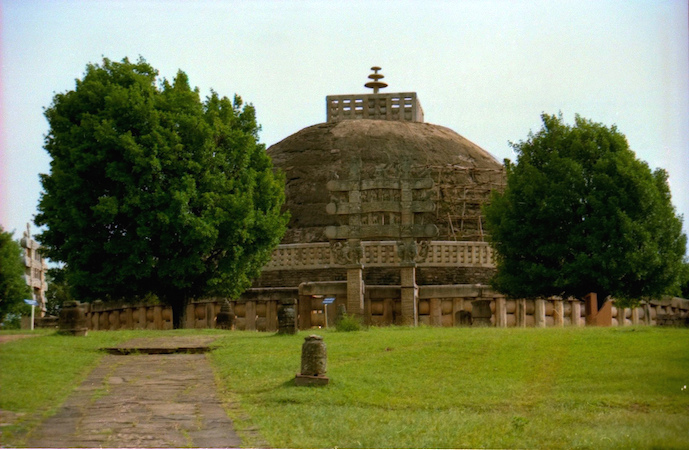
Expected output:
(320, 153)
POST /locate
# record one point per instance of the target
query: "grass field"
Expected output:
(480, 387)
(423, 387)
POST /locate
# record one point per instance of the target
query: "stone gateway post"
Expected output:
(384, 207)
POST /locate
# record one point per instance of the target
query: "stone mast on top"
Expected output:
(398, 106)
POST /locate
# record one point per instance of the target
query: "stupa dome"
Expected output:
(317, 154)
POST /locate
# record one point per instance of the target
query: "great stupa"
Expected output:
(385, 210)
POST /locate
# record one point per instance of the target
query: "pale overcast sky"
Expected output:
(485, 68)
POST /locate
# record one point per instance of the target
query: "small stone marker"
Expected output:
(225, 318)
(287, 317)
(314, 360)
(72, 319)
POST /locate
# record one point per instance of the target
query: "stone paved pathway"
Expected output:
(143, 401)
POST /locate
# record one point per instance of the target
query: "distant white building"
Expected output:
(34, 269)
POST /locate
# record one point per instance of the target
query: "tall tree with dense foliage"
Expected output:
(580, 213)
(13, 287)
(152, 190)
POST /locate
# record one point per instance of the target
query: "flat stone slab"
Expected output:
(143, 401)
(164, 346)
(155, 350)
(311, 380)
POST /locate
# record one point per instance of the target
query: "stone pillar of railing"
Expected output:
(304, 312)
(128, 318)
(591, 305)
(635, 316)
(409, 296)
(435, 312)
(576, 313)
(558, 313)
(72, 319)
(104, 320)
(210, 315)
(388, 311)
(142, 318)
(355, 290)
(647, 314)
(620, 316)
(158, 317)
(539, 313)
(480, 313)
(287, 317)
(114, 320)
(521, 312)
(250, 316)
(500, 312)
(190, 315)
(271, 315)
(96, 311)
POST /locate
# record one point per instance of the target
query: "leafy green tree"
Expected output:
(152, 190)
(13, 287)
(57, 293)
(684, 283)
(580, 213)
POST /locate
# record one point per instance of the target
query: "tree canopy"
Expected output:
(152, 190)
(580, 213)
(13, 287)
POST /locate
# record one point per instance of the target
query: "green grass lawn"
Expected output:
(404, 387)
(469, 387)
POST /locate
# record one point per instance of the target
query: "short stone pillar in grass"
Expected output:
(287, 317)
(480, 313)
(72, 319)
(225, 318)
(314, 361)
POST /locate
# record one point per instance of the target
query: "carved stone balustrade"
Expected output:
(320, 255)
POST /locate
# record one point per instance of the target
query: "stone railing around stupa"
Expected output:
(447, 306)
(323, 255)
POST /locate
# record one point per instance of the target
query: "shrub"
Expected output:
(348, 322)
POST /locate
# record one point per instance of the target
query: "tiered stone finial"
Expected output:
(376, 84)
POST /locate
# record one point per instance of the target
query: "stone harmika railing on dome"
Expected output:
(402, 106)
(319, 255)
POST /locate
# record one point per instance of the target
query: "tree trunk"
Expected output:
(602, 297)
(179, 308)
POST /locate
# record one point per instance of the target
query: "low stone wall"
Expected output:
(256, 310)
(447, 306)
(46, 322)
(100, 316)
(671, 311)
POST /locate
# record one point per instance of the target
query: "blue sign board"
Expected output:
(328, 300)
(31, 302)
